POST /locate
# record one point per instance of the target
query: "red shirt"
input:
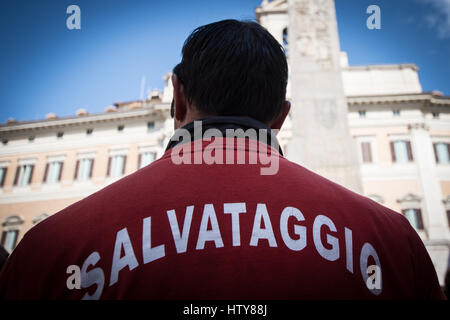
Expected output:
(222, 231)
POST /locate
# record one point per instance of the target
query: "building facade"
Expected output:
(402, 136)
(401, 133)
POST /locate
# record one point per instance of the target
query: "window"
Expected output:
(414, 217)
(435, 115)
(366, 151)
(2, 175)
(396, 112)
(53, 171)
(116, 165)
(9, 239)
(442, 152)
(83, 169)
(362, 113)
(150, 125)
(146, 158)
(120, 128)
(401, 151)
(5, 142)
(10, 232)
(31, 139)
(59, 135)
(285, 40)
(89, 131)
(24, 174)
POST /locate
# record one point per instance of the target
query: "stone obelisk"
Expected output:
(321, 139)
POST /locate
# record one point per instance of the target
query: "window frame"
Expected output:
(48, 169)
(17, 177)
(372, 140)
(140, 166)
(4, 238)
(409, 150)
(113, 153)
(11, 223)
(419, 218)
(84, 156)
(436, 156)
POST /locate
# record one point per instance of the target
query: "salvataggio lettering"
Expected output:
(331, 242)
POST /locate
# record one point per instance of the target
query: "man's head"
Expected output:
(231, 68)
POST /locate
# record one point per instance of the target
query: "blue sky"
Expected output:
(44, 67)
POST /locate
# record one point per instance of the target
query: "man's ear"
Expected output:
(278, 122)
(179, 98)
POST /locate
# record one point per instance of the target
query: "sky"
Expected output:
(45, 67)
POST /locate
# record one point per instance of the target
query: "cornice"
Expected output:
(429, 98)
(277, 6)
(159, 109)
(418, 125)
(383, 67)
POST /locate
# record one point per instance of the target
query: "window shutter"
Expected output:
(419, 219)
(140, 161)
(408, 147)
(45, 173)
(76, 170)
(109, 167)
(91, 169)
(448, 149)
(16, 178)
(30, 178)
(124, 164)
(435, 153)
(393, 152)
(4, 177)
(60, 171)
(4, 233)
(448, 217)
(366, 152)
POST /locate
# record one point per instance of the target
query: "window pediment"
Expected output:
(376, 198)
(12, 221)
(410, 198)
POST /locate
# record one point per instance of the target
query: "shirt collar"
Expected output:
(223, 123)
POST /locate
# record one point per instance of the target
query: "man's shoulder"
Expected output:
(324, 190)
(97, 208)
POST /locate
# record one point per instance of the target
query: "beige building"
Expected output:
(50, 164)
(402, 136)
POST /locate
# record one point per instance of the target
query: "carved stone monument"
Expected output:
(321, 138)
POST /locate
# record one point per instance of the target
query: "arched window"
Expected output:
(10, 232)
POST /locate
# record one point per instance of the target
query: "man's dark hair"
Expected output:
(234, 68)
